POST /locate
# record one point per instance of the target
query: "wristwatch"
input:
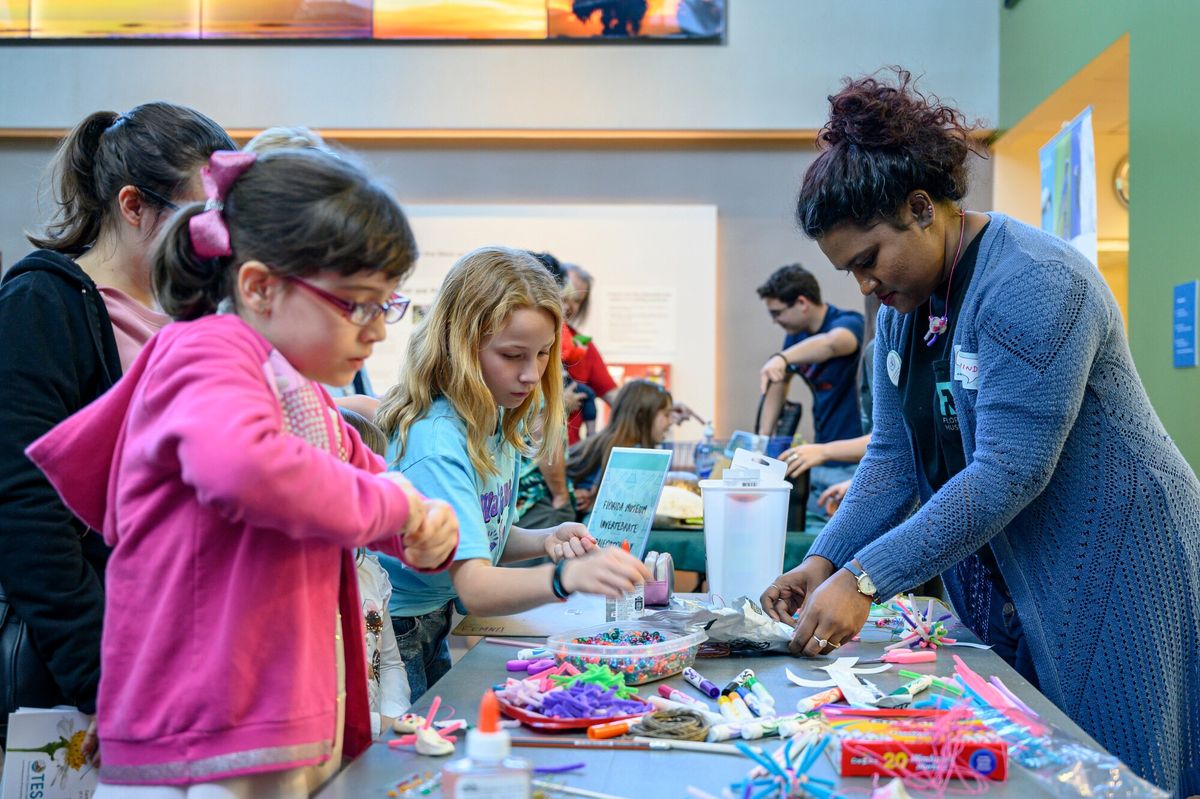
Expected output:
(865, 584)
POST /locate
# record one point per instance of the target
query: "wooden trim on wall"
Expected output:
(521, 138)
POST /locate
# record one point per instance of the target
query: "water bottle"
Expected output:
(705, 457)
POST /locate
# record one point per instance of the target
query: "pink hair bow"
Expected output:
(210, 234)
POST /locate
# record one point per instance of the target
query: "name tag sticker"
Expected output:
(966, 369)
(893, 367)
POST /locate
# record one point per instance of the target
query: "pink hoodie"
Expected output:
(231, 540)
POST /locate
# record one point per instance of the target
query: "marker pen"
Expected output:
(764, 696)
(752, 702)
(701, 684)
(675, 695)
(816, 700)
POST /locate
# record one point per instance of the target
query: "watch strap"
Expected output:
(556, 582)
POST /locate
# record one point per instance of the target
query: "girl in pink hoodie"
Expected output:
(233, 495)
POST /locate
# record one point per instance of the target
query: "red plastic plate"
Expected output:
(537, 721)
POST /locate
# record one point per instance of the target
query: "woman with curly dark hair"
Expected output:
(1015, 451)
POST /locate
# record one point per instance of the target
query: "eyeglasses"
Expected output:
(360, 313)
(777, 312)
(158, 198)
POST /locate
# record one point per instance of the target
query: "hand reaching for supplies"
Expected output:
(802, 458)
(569, 540)
(833, 614)
(608, 571)
(787, 594)
(831, 498)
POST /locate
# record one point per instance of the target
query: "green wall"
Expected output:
(1042, 44)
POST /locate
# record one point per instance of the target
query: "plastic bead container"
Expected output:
(640, 663)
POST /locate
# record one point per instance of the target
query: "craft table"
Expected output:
(665, 775)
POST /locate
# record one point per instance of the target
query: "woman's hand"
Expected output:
(831, 498)
(773, 371)
(787, 594)
(569, 540)
(608, 571)
(583, 499)
(834, 613)
(804, 457)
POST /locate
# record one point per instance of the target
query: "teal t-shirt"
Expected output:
(437, 463)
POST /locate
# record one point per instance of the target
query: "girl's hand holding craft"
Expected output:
(609, 571)
(569, 540)
(428, 546)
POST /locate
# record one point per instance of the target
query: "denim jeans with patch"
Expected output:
(422, 644)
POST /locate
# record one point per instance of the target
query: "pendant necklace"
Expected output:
(939, 324)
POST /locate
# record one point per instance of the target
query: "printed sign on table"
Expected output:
(624, 506)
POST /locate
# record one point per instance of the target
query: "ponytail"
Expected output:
(156, 148)
(188, 286)
(80, 204)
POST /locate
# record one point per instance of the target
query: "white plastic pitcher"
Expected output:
(745, 525)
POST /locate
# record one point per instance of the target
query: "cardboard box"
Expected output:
(903, 742)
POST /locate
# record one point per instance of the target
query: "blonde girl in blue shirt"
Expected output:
(482, 369)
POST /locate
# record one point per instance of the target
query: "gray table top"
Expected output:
(661, 775)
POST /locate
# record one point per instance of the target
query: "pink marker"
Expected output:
(905, 656)
(675, 695)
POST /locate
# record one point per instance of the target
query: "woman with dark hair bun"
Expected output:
(73, 315)
(1015, 451)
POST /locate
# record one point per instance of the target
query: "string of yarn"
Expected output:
(678, 725)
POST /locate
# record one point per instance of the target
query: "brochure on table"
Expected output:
(45, 755)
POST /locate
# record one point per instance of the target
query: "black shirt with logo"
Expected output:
(928, 403)
(925, 396)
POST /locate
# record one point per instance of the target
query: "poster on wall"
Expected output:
(349, 20)
(653, 309)
(1068, 171)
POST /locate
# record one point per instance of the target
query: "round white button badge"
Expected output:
(893, 367)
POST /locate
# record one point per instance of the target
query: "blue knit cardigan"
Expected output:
(1093, 513)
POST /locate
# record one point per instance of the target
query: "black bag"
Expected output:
(24, 679)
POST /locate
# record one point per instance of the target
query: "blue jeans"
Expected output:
(422, 644)
(821, 478)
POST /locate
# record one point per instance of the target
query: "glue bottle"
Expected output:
(631, 605)
(705, 456)
(487, 772)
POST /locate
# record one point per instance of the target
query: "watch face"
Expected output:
(865, 586)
